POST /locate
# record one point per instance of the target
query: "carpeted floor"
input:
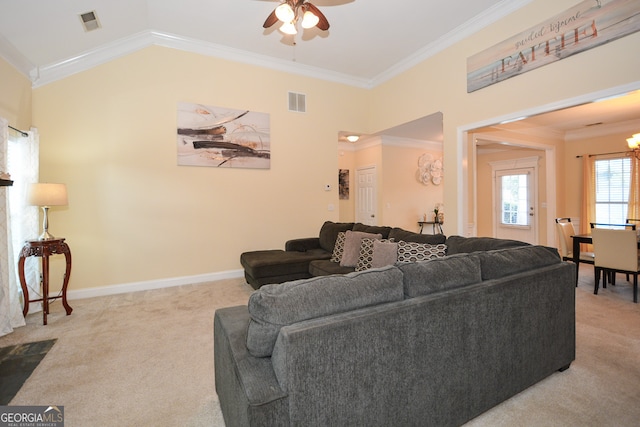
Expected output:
(17, 362)
(146, 358)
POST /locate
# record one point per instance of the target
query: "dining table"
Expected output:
(577, 240)
(583, 238)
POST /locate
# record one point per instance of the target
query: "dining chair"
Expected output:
(633, 221)
(611, 276)
(616, 250)
(625, 226)
(564, 231)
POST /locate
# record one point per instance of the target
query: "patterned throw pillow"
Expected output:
(367, 253)
(414, 252)
(338, 249)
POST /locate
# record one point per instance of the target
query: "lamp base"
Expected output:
(45, 225)
(46, 236)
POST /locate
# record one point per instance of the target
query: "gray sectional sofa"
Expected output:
(311, 256)
(432, 343)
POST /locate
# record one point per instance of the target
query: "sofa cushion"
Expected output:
(387, 255)
(440, 274)
(352, 242)
(373, 229)
(505, 262)
(329, 233)
(414, 252)
(459, 244)
(326, 267)
(399, 234)
(274, 306)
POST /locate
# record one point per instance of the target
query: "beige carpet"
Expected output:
(145, 358)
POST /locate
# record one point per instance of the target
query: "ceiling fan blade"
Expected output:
(271, 19)
(323, 24)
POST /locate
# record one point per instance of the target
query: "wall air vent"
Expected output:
(90, 21)
(297, 102)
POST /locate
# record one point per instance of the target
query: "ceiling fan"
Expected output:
(290, 11)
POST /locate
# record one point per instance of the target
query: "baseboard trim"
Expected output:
(152, 284)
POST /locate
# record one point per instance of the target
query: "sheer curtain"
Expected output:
(19, 157)
(633, 210)
(588, 210)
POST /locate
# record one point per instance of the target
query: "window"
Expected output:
(613, 177)
(515, 199)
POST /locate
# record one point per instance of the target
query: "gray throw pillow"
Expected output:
(384, 253)
(376, 253)
(352, 242)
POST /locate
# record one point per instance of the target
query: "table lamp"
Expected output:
(46, 195)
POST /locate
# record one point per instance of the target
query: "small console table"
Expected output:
(44, 249)
(437, 226)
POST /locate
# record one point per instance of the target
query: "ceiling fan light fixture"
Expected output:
(309, 20)
(285, 13)
(289, 28)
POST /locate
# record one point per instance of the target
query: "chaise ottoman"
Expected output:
(278, 266)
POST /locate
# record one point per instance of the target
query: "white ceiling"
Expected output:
(369, 40)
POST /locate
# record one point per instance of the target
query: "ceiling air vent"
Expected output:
(297, 102)
(90, 21)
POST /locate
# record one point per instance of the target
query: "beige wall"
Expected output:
(136, 216)
(439, 84)
(15, 96)
(404, 200)
(401, 199)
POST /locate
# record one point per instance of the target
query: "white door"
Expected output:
(514, 214)
(366, 191)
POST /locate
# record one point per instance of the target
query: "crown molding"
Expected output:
(488, 17)
(629, 126)
(49, 73)
(394, 141)
(390, 141)
(540, 132)
(125, 46)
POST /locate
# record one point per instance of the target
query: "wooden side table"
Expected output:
(44, 249)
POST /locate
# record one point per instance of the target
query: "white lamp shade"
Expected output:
(289, 28)
(309, 20)
(47, 194)
(284, 13)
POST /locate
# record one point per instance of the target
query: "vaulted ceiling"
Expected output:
(368, 41)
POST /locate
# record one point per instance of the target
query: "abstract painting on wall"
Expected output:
(222, 137)
(343, 184)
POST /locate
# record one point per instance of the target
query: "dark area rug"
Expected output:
(17, 362)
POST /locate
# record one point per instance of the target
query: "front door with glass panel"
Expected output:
(514, 205)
